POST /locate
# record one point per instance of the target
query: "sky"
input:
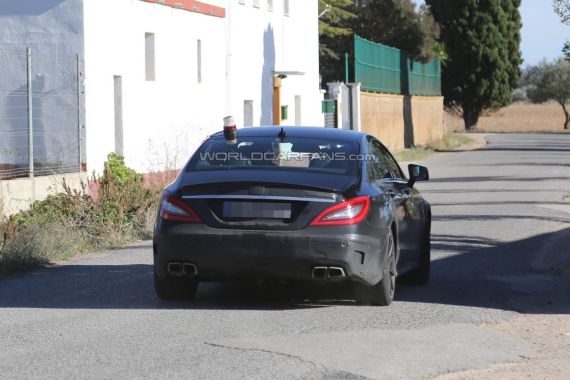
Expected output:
(543, 34)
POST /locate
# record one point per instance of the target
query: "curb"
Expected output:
(479, 141)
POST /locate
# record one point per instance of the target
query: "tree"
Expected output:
(332, 17)
(396, 23)
(399, 24)
(482, 42)
(550, 81)
(562, 7)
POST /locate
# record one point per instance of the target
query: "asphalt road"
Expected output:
(495, 211)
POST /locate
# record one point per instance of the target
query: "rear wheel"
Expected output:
(381, 294)
(175, 288)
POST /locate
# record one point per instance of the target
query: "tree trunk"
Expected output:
(566, 114)
(470, 117)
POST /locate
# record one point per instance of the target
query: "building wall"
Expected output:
(262, 42)
(53, 30)
(163, 120)
(53, 27)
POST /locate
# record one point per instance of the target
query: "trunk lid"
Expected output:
(261, 199)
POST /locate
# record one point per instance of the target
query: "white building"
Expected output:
(160, 75)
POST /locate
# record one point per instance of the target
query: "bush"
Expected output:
(73, 222)
(520, 95)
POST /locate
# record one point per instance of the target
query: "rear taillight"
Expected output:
(349, 212)
(176, 210)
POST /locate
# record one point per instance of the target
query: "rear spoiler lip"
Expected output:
(262, 197)
(189, 180)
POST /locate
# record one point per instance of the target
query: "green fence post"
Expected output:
(346, 68)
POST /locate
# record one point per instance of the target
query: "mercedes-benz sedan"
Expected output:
(293, 204)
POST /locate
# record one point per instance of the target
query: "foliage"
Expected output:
(520, 95)
(482, 41)
(331, 23)
(550, 81)
(72, 222)
(399, 24)
(562, 7)
(115, 168)
(396, 23)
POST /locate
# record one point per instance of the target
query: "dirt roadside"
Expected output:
(547, 326)
(550, 333)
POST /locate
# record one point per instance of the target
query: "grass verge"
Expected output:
(75, 222)
(451, 141)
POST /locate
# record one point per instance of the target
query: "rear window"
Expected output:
(302, 154)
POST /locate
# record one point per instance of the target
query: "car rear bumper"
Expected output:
(221, 255)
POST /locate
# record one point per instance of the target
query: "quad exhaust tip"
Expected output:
(189, 269)
(174, 268)
(322, 273)
(335, 272)
(182, 269)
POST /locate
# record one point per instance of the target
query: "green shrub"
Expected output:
(116, 169)
(72, 222)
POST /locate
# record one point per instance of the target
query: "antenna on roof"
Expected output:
(282, 135)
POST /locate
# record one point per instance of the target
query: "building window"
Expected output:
(199, 60)
(248, 113)
(150, 63)
(298, 111)
(286, 7)
(270, 5)
(119, 138)
(256, 3)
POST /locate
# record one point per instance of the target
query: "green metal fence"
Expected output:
(377, 66)
(381, 68)
(424, 79)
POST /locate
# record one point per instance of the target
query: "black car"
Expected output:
(295, 204)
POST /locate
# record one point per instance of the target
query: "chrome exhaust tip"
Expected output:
(174, 268)
(320, 273)
(336, 272)
(189, 269)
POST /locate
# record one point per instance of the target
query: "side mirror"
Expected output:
(417, 173)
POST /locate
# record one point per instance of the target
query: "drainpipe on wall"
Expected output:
(229, 16)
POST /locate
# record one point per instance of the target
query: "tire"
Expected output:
(175, 288)
(381, 294)
(420, 275)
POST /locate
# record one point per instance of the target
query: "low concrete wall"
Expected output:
(382, 116)
(402, 121)
(18, 194)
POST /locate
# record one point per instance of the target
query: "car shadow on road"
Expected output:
(466, 271)
(131, 287)
(490, 274)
